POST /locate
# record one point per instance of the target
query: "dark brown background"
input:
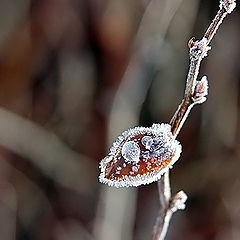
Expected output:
(73, 75)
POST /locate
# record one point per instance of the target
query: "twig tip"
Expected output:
(228, 5)
(178, 201)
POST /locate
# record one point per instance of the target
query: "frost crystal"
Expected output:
(153, 143)
(159, 145)
(134, 168)
(147, 141)
(131, 151)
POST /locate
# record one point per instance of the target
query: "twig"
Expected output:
(195, 93)
(168, 207)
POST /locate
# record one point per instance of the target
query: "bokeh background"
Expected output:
(73, 75)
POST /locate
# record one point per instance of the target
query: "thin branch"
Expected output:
(162, 222)
(198, 50)
(195, 93)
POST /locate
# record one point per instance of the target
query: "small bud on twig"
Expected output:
(228, 5)
(178, 201)
(201, 91)
(199, 49)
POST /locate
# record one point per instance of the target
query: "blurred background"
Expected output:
(73, 75)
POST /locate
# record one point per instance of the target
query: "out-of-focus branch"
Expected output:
(45, 150)
(127, 103)
(146, 57)
(195, 93)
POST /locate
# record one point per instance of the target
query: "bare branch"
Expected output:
(45, 150)
(198, 50)
(195, 93)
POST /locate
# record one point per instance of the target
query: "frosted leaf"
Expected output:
(140, 156)
(131, 151)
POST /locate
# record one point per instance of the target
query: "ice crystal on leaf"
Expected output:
(131, 152)
(147, 141)
(140, 156)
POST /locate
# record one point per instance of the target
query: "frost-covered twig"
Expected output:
(198, 50)
(169, 205)
(195, 93)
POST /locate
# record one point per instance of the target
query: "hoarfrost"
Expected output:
(131, 151)
(154, 143)
(147, 141)
(134, 168)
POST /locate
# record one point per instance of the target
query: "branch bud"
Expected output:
(228, 5)
(178, 201)
(201, 91)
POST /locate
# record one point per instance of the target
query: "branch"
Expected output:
(195, 93)
(168, 206)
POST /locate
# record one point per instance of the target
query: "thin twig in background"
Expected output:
(46, 151)
(195, 93)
